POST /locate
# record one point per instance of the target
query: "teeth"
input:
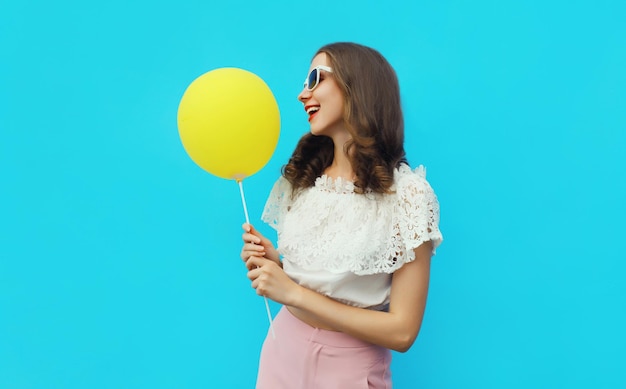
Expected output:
(312, 110)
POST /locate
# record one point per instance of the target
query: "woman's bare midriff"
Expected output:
(306, 318)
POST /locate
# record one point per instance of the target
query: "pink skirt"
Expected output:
(304, 357)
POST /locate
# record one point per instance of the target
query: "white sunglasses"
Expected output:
(313, 79)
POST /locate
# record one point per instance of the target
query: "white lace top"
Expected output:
(346, 245)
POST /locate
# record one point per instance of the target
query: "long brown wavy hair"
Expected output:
(373, 118)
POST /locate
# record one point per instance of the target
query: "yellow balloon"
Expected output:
(229, 123)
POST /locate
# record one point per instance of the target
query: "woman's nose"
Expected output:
(304, 95)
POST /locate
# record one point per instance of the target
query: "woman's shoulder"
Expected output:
(406, 178)
(281, 187)
(417, 206)
(277, 202)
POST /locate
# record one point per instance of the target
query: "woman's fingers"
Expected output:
(269, 280)
(255, 274)
(255, 262)
(254, 243)
(249, 230)
(258, 274)
(251, 249)
(247, 237)
(252, 235)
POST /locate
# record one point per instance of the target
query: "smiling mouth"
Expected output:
(311, 111)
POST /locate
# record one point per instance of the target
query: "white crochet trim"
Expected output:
(330, 227)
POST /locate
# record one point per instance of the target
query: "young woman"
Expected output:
(356, 231)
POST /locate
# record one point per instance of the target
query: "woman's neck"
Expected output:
(341, 165)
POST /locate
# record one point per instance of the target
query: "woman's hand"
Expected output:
(269, 280)
(265, 268)
(255, 244)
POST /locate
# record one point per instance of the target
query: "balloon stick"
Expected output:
(245, 211)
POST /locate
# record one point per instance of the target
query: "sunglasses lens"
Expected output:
(312, 80)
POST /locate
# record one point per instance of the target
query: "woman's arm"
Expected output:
(396, 329)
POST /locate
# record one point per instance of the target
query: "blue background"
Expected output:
(119, 256)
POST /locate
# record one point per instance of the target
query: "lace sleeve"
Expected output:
(417, 213)
(277, 203)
